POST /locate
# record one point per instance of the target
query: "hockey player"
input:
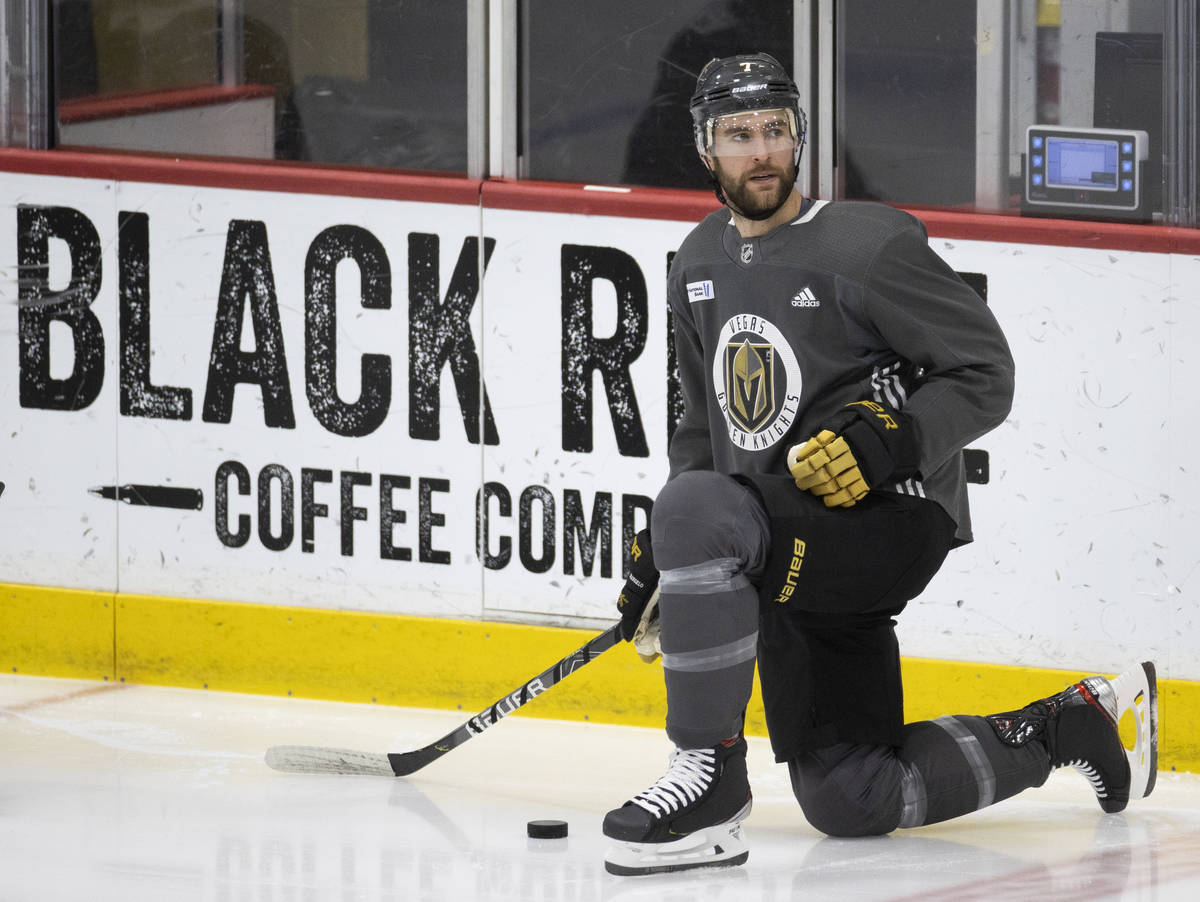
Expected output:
(833, 368)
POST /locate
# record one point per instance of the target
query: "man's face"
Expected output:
(752, 156)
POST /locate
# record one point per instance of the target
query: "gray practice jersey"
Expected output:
(847, 302)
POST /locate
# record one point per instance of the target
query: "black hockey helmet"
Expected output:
(744, 84)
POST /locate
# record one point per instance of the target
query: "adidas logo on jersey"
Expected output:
(805, 298)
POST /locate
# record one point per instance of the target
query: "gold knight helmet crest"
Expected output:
(750, 383)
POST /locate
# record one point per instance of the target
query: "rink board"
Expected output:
(437, 663)
(274, 427)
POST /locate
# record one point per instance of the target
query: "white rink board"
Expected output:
(524, 342)
(1085, 535)
(179, 552)
(192, 562)
(49, 532)
(1073, 558)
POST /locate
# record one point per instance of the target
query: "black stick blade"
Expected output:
(405, 763)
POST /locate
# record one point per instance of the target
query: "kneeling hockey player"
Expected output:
(833, 369)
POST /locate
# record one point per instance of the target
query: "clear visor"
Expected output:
(750, 133)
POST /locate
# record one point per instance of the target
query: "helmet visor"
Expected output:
(749, 133)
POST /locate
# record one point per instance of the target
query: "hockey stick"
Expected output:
(311, 759)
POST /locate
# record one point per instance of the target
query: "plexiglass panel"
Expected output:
(363, 82)
(607, 84)
(931, 99)
(930, 96)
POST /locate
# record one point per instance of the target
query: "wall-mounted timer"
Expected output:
(1085, 172)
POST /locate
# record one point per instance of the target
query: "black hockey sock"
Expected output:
(955, 765)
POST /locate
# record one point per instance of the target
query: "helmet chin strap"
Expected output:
(716, 188)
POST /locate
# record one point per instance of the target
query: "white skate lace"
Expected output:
(1106, 698)
(1092, 775)
(688, 775)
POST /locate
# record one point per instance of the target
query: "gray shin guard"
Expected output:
(710, 632)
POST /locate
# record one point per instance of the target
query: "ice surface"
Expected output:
(118, 792)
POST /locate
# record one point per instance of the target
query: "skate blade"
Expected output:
(1136, 691)
(720, 846)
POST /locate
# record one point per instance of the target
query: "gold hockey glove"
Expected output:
(866, 444)
(825, 466)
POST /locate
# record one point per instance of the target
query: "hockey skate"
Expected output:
(1078, 726)
(690, 818)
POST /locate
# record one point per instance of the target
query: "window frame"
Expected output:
(28, 111)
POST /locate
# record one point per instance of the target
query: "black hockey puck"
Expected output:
(546, 829)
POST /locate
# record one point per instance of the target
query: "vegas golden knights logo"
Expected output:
(757, 382)
(750, 383)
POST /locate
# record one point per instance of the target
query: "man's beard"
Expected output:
(753, 204)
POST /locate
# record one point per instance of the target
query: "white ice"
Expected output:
(119, 792)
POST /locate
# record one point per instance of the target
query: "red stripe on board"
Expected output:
(598, 200)
(553, 197)
(273, 175)
(1011, 228)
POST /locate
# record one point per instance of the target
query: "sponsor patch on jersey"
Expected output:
(756, 378)
(701, 291)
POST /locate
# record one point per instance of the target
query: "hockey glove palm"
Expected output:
(647, 637)
(643, 580)
(866, 444)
